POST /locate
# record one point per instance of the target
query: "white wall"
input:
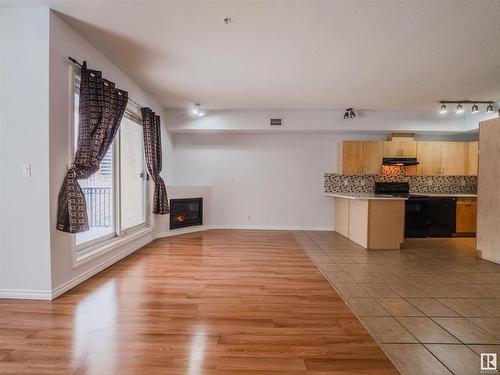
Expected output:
(64, 42)
(262, 180)
(325, 122)
(24, 137)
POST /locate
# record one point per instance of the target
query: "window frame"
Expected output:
(89, 249)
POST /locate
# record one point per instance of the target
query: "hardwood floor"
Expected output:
(216, 302)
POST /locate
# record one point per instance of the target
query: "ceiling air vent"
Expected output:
(276, 122)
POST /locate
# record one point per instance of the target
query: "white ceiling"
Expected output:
(299, 54)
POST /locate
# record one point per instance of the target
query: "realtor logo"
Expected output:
(488, 361)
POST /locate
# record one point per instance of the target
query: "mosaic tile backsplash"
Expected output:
(337, 183)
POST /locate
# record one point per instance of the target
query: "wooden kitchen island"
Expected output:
(372, 221)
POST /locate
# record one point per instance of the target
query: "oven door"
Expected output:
(417, 217)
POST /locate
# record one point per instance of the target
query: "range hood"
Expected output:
(399, 161)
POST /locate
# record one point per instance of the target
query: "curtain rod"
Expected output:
(74, 61)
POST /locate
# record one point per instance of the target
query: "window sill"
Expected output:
(93, 252)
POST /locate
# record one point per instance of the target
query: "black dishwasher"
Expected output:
(442, 216)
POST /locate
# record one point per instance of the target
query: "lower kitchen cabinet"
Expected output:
(466, 215)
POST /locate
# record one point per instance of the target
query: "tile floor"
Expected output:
(433, 306)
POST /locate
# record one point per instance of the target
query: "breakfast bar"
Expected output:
(371, 220)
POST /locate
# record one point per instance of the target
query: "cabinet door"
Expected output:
(391, 149)
(454, 158)
(466, 215)
(372, 157)
(408, 149)
(351, 155)
(472, 158)
(429, 158)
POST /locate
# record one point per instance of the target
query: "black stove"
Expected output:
(424, 216)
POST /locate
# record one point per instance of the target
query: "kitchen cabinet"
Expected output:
(435, 158)
(350, 157)
(466, 215)
(453, 158)
(472, 158)
(360, 157)
(400, 149)
(429, 158)
(372, 157)
(442, 158)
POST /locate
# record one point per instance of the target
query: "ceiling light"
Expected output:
(475, 108)
(460, 108)
(227, 20)
(349, 114)
(490, 108)
(443, 109)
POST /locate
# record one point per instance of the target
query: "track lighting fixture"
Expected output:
(461, 109)
(349, 114)
(197, 111)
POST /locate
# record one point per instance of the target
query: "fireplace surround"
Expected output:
(186, 212)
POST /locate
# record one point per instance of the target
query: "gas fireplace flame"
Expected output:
(180, 218)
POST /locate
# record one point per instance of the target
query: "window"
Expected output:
(132, 186)
(116, 194)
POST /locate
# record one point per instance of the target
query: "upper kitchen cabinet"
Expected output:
(434, 158)
(400, 149)
(472, 158)
(372, 157)
(350, 157)
(408, 149)
(453, 158)
(360, 157)
(442, 158)
(429, 158)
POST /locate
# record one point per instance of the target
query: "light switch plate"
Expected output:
(27, 170)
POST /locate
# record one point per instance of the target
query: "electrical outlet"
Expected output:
(346, 182)
(363, 182)
(429, 182)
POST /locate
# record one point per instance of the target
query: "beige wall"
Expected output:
(488, 224)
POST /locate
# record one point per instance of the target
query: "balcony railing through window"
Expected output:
(99, 206)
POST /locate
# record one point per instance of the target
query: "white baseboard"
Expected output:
(260, 227)
(26, 294)
(81, 278)
(176, 232)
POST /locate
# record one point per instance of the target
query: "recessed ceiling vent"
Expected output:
(276, 122)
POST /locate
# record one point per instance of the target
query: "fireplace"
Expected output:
(186, 212)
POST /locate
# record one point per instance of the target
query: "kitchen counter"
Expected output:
(458, 195)
(365, 196)
(372, 221)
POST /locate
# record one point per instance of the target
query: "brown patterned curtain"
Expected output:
(152, 152)
(101, 110)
